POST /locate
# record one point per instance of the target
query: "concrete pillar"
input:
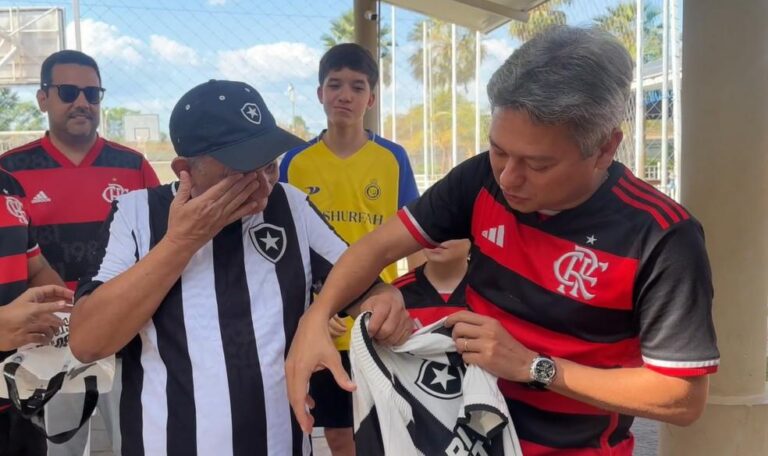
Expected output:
(725, 185)
(367, 35)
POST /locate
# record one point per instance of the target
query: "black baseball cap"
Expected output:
(229, 121)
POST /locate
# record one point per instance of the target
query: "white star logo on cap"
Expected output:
(251, 112)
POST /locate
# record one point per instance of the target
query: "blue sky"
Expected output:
(152, 51)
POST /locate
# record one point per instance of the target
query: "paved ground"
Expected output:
(101, 445)
(646, 437)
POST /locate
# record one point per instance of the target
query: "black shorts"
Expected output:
(333, 405)
(19, 437)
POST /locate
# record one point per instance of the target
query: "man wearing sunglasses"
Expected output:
(70, 177)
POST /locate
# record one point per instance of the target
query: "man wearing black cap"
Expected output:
(204, 281)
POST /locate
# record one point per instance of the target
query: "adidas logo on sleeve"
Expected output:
(41, 197)
(495, 235)
(420, 399)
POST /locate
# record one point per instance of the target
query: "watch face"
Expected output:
(544, 370)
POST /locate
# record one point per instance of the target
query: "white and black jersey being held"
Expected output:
(421, 399)
(205, 376)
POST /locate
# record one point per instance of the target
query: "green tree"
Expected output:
(619, 20)
(439, 40)
(18, 115)
(299, 128)
(342, 30)
(410, 132)
(539, 19)
(112, 121)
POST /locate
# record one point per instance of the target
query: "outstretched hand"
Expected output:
(311, 350)
(31, 319)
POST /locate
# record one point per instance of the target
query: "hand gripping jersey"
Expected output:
(421, 399)
(622, 280)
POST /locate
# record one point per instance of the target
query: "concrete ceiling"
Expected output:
(481, 15)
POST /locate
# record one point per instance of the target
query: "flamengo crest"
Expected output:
(574, 271)
(112, 191)
(16, 209)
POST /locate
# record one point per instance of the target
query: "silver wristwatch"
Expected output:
(543, 372)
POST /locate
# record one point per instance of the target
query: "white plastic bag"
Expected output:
(35, 373)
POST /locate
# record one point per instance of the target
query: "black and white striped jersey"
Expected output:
(420, 398)
(205, 376)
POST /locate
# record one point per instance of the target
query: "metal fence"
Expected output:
(432, 95)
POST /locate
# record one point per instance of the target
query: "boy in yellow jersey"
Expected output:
(357, 180)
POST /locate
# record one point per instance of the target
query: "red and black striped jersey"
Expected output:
(68, 203)
(424, 303)
(622, 280)
(17, 241)
(17, 246)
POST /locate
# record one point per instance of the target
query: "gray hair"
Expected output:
(567, 75)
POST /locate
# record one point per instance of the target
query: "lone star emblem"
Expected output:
(252, 113)
(269, 240)
(442, 377)
(439, 380)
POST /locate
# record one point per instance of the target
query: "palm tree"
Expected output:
(410, 133)
(440, 43)
(620, 21)
(342, 30)
(539, 19)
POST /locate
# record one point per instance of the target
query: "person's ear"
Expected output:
(607, 151)
(42, 100)
(179, 164)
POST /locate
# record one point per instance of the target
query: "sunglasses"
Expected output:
(68, 93)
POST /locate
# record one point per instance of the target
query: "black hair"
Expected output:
(352, 56)
(65, 57)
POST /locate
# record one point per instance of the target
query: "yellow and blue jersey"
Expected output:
(355, 194)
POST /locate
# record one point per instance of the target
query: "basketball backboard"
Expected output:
(141, 127)
(27, 37)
